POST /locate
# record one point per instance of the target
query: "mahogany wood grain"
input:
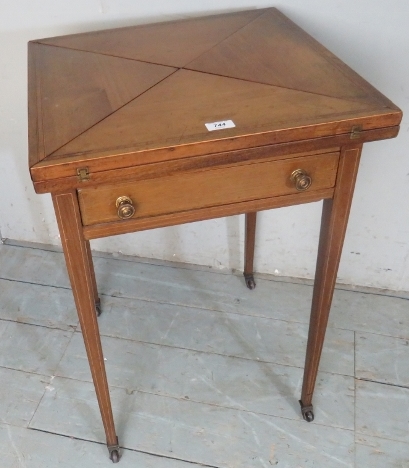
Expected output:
(249, 242)
(111, 159)
(271, 50)
(128, 116)
(81, 277)
(35, 124)
(132, 225)
(164, 168)
(175, 111)
(212, 187)
(333, 227)
(93, 281)
(172, 43)
(129, 106)
(103, 170)
(99, 85)
(338, 63)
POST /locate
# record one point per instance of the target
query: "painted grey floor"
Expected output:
(202, 371)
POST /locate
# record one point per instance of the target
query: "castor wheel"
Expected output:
(307, 412)
(249, 279)
(114, 456)
(114, 453)
(98, 307)
(308, 416)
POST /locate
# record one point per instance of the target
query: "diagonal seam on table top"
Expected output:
(326, 55)
(265, 11)
(365, 107)
(359, 101)
(49, 156)
(40, 90)
(186, 67)
(124, 148)
(341, 66)
(271, 12)
(312, 41)
(45, 44)
(322, 52)
(46, 41)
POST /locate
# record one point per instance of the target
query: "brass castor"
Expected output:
(249, 279)
(307, 412)
(114, 456)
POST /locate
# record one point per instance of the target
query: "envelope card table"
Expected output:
(162, 124)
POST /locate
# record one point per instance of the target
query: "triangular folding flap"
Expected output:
(274, 51)
(78, 89)
(160, 43)
(176, 110)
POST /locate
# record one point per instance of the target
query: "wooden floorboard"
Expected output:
(202, 371)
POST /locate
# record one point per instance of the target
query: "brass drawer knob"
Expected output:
(301, 180)
(125, 207)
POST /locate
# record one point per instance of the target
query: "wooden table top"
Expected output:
(142, 94)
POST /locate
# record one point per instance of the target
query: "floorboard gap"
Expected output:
(388, 384)
(122, 447)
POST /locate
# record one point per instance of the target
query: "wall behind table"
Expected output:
(370, 36)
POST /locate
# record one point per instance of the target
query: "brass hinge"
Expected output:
(83, 174)
(355, 132)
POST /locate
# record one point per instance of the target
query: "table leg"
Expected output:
(333, 226)
(93, 280)
(249, 242)
(82, 282)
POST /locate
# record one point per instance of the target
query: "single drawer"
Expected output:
(211, 187)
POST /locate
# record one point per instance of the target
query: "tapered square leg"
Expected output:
(77, 257)
(93, 280)
(333, 227)
(249, 243)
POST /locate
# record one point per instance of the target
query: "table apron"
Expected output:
(97, 231)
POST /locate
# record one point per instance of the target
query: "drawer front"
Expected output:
(205, 188)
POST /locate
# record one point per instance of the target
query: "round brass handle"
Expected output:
(125, 207)
(301, 180)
